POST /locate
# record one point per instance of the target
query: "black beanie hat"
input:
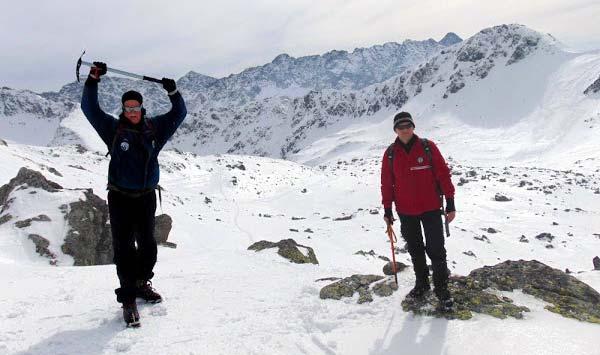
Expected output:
(132, 95)
(403, 117)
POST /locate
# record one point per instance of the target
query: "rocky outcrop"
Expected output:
(348, 286)
(289, 249)
(593, 88)
(89, 240)
(565, 294)
(29, 178)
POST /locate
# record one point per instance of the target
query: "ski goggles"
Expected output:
(132, 109)
(404, 126)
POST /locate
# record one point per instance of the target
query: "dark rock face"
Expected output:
(593, 88)
(89, 240)
(358, 283)
(288, 248)
(568, 296)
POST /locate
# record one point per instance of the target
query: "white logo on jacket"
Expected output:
(124, 146)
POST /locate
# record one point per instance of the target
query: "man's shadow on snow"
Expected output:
(86, 341)
(410, 339)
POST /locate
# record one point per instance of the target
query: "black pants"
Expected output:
(410, 226)
(131, 222)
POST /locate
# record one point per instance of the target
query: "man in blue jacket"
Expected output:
(133, 141)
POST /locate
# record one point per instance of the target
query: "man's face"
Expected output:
(132, 110)
(405, 131)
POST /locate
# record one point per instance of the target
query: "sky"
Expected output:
(41, 41)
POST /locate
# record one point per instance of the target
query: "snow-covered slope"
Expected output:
(222, 298)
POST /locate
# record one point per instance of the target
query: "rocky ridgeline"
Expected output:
(88, 238)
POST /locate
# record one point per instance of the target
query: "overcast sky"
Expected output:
(40, 41)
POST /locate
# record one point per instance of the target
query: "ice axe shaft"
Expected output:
(116, 71)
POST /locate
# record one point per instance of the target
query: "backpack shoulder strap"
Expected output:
(427, 148)
(114, 141)
(390, 154)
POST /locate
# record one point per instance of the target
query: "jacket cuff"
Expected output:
(450, 205)
(388, 211)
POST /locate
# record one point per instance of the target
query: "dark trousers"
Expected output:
(131, 222)
(410, 227)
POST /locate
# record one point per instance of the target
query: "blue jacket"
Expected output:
(133, 148)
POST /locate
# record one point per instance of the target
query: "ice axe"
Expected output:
(116, 71)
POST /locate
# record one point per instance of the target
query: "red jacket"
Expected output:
(413, 185)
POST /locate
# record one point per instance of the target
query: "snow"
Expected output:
(220, 298)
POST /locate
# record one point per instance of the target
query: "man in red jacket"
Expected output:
(414, 175)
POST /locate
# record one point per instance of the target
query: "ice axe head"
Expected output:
(78, 66)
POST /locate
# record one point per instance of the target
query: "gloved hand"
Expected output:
(98, 70)
(169, 85)
(388, 216)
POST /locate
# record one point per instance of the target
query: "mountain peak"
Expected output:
(449, 39)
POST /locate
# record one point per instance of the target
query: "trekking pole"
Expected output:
(113, 70)
(392, 236)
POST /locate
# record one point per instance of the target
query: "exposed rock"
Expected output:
(545, 236)
(27, 222)
(344, 218)
(54, 171)
(374, 211)
(524, 239)
(3, 142)
(469, 253)
(469, 296)
(501, 198)
(568, 296)
(89, 240)
(593, 88)
(358, 283)
(387, 268)
(596, 262)
(328, 279)
(288, 248)
(364, 253)
(30, 178)
(7, 217)
(41, 247)
(162, 228)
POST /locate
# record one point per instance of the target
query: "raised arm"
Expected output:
(102, 122)
(167, 124)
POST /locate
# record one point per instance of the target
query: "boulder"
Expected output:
(288, 248)
(387, 268)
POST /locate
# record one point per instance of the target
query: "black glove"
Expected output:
(450, 205)
(98, 70)
(388, 216)
(169, 85)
